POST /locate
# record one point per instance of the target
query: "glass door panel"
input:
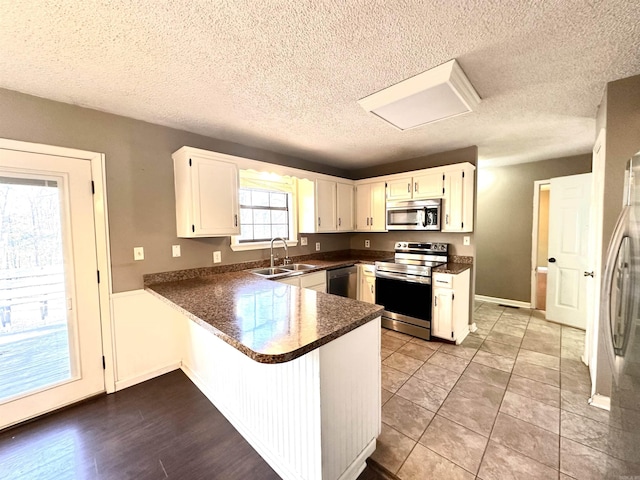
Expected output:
(34, 332)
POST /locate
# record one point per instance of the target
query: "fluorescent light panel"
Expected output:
(431, 96)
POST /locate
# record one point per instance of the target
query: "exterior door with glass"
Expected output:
(50, 332)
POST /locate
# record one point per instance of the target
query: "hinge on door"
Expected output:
(453, 296)
(462, 224)
(98, 276)
(451, 335)
(104, 363)
(193, 228)
(443, 190)
(189, 162)
(93, 188)
(462, 174)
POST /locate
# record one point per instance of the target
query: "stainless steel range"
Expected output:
(403, 286)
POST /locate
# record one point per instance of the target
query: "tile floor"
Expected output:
(510, 402)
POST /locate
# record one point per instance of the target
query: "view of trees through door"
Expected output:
(34, 338)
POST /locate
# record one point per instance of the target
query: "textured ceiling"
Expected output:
(285, 75)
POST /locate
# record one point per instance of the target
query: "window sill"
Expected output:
(240, 247)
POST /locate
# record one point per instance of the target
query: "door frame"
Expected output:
(534, 238)
(102, 239)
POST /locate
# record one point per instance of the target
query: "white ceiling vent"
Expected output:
(439, 93)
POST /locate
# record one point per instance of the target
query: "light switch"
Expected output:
(175, 250)
(138, 253)
(466, 240)
(217, 256)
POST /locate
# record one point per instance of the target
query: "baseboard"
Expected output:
(359, 464)
(600, 401)
(503, 301)
(129, 382)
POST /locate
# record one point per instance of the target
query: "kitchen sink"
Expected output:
(270, 271)
(299, 266)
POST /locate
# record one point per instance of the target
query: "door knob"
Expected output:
(588, 274)
(552, 260)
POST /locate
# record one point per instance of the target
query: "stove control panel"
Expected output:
(422, 247)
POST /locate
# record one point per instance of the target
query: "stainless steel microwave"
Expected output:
(414, 215)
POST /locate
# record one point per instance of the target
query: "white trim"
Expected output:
(600, 401)
(360, 463)
(128, 293)
(534, 238)
(240, 247)
(129, 382)
(98, 175)
(503, 301)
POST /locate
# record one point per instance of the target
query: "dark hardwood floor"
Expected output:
(159, 429)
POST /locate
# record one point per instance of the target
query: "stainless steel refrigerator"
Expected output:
(620, 331)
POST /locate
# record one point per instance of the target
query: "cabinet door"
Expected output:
(363, 207)
(441, 323)
(370, 289)
(428, 185)
(453, 202)
(378, 207)
(344, 200)
(399, 189)
(214, 187)
(326, 205)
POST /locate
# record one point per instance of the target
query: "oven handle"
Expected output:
(403, 277)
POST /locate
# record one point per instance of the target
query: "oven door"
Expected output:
(406, 297)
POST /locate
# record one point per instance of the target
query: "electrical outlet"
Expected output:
(175, 250)
(217, 256)
(466, 240)
(367, 243)
(138, 253)
(317, 246)
(303, 241)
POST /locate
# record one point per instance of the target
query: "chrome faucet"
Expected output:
(286, 250)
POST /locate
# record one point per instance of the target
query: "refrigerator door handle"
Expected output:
(616, 337)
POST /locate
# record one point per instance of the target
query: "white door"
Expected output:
(50, 335)
(363, 207)
(326, 205)
(378, 219)
(569, 205)
(441, 325)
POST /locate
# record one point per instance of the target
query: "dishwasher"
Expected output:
(343, 281)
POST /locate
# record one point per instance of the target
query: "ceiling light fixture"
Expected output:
(440, 93)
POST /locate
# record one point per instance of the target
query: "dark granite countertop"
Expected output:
(453, 268)
(268, 321)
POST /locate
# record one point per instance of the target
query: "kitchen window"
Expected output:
(267, 210)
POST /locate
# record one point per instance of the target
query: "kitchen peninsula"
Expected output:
(296, 371)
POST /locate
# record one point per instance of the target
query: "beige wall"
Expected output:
(139, 172)
(504, 223)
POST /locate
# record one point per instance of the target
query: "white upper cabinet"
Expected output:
(457, 203)
(422, 185)
(344, 206)
(370, 207)
(429, 184)
(206, 189)
(399, 188)
(325, 206)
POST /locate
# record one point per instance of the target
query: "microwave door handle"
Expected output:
(606, 318)
(424, 217)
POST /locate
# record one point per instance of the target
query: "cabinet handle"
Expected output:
(447, 219)
(371, 222)
(318, 221)
(235, 219)
(371, 288)
(415, 187)
(367, 221)
(339, 222)
(408, 188)
(435, 302)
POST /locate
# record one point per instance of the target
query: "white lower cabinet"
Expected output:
(314, 281)
(367, 283)
(450, 319)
